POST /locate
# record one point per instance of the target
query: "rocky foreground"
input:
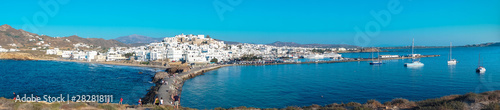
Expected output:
(471, 101)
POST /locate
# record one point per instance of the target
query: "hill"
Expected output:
(137, 39)
(293, 44)
(10, 37)
(484, 44)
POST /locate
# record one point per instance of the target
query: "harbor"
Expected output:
(171, 83)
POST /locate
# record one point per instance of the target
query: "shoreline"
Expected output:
(110, 63)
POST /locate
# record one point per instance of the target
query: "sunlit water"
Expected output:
(55, 77)
(278, 86)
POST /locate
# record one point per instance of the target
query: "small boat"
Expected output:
(480, 69)
(378, 60)
(452, 61)
(414, 63)
(315, 56)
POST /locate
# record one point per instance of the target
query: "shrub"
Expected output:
(354, 104)
(55, 106)
(333, 108)
(314, 106)
(219, 108)
(373, 103)
(491, 106)
(7, 102)
(454, 105)
(473, 97)
(399, 101)
(107, 107)
(292, 108)
(362, 108)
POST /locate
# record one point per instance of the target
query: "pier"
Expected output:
(175, 83)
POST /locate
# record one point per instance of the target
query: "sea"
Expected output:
(56, 78)
(279, 86)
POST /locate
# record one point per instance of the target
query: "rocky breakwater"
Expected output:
(153, 92)
(150, 96)
(174, 82)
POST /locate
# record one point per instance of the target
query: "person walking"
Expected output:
(14, 95)
(176, 99)
(157, 102)
(161, 101)
(140, 102)
(121, 101)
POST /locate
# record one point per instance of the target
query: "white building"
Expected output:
(174, 54)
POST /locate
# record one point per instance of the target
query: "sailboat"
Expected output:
(480, 69)
(414, 63)
(451, 61)
(378, 59)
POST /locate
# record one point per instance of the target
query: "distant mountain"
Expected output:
(293, 44)
(21, 38)
(138, 39)
(484, 44)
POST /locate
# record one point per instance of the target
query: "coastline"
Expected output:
(110, 63)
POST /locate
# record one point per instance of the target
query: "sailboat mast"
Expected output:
(479, 63)
(378, 55)
(412, 46)
(372, 55)
(450, 51)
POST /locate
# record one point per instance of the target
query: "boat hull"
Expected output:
(376, 63)
(452, 62)
(415, 64)
(481, 70)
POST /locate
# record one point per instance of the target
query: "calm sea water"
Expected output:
(55, 77)
(278, 86)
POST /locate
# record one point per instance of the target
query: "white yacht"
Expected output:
(480, 69)
(315, 56)
(451, 61)
(414, 63)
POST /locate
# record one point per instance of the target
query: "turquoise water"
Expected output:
(55, 77)
(278, 86)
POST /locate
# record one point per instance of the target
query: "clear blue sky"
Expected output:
(430, 22)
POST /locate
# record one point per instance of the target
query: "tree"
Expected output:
(214, 60)
(128, 55)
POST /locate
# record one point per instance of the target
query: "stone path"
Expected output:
(175, 83)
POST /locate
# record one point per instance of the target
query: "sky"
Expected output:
(355, 22)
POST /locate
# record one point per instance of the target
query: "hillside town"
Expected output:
(190, 49)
